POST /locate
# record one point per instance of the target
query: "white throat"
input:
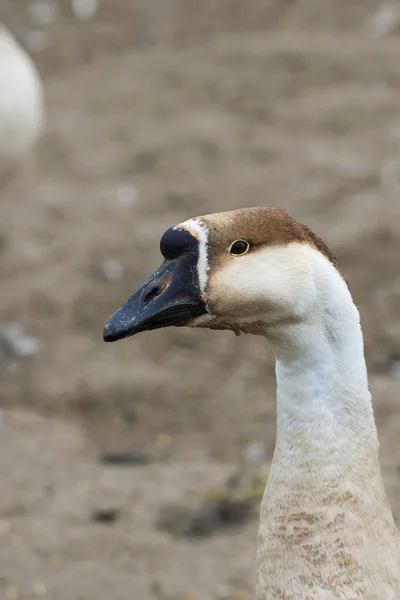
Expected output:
(322, 384)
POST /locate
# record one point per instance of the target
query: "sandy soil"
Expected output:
(157, 112)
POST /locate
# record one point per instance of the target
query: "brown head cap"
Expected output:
(261, 227)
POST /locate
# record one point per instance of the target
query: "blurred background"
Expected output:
(135, 470)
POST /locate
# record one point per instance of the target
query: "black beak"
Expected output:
(170, 297)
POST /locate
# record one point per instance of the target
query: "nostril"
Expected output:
(155, 291)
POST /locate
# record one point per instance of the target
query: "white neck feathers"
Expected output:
(326, 529)
(320, 367)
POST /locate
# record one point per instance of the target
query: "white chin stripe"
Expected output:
(200, 232)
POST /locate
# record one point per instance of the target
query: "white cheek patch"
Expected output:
(200, 232)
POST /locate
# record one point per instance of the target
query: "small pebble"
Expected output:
(42, 13)
(384, 20)
(126, 195)
(112, 269)
(255, 452)
(39, 589)
(84, 9)
(163, 441)
(16, 342)
(11, 593)
(36, 41)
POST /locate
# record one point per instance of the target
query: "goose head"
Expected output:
(251, 270)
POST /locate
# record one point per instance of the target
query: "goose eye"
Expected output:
(239, 247)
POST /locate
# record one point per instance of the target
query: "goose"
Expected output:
(326, 528)
(21, 104)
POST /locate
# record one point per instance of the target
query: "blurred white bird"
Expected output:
(21, 104)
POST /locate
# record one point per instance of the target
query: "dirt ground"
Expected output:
(158, 111)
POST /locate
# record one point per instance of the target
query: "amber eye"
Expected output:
(239, 247)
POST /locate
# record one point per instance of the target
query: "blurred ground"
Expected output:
(157, 112)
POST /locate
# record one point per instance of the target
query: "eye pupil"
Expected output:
(239, 247)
